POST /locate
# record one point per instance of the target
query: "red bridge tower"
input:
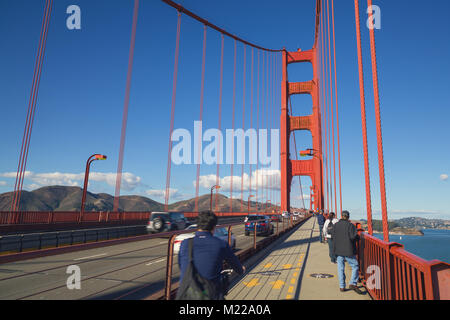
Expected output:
(313, 167)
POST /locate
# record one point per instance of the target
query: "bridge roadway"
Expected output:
(106, 273)
(284, 273)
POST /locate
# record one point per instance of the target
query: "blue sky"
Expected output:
(81, 96)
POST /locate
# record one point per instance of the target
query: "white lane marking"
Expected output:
(97, 255)
(150, 263)
(163, 242)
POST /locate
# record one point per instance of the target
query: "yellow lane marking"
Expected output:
(252, 283)
(277, 284)
(287, 266)
(293, 280)
(268, 265)
(289, 296)
(295, 274)
(291, 289)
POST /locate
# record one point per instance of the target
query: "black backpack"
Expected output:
(330, 228)
(193, 285)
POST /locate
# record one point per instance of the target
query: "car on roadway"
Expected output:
(166, 221)
(263, 226)
(221, 233)
(285, 214)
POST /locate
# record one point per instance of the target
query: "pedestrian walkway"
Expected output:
(285, 273)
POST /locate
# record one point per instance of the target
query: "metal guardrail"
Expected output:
(403, 275)
(53, 217)
(33, 241)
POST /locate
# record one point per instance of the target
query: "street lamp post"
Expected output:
(86, 178)
(210, 199)
(248, 203)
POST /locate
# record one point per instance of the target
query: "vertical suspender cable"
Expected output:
(267, 121)
(172, 112)
(220, 117)
(234, 109)
(263, 173)
(337, 109)
(325, 112)
(202, 90)
(331, 106)
(257, 130)
(378, 125)
(125, 107)
(363, 119)
(243, 128)
(23, 157)
(251, 125)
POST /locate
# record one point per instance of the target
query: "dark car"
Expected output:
(166, 221)
(263, 226)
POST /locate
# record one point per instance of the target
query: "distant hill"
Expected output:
(416, 223)
(63, 198)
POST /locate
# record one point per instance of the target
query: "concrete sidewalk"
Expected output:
(285, 272)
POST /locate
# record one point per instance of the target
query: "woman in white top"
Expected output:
(331, 219)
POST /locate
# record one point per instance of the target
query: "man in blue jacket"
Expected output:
(209, 253)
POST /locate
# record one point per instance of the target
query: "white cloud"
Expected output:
(259, 178)
(443, 177)
(129, 180)
(3, 183)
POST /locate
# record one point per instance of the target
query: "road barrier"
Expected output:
(39, 241)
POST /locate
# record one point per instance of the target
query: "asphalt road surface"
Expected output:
(127, 271)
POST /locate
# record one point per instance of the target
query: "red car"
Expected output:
(275, 217)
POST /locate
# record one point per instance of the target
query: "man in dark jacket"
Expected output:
(344, 236)
(321, 222)
(209, 253)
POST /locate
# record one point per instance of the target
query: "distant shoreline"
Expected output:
(403, 232)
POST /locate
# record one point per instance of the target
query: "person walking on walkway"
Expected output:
(344, 237)
(321, 222)
(327, 230)
(208, 255)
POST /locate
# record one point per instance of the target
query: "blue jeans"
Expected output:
(341, 267)
(321, 232)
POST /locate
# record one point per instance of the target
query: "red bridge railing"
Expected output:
(390, 272)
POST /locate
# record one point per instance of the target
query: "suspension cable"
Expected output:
(172, 112)
(213, 26)
(337, 108)
(378, 126)
(202, 90)
(220, 117)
